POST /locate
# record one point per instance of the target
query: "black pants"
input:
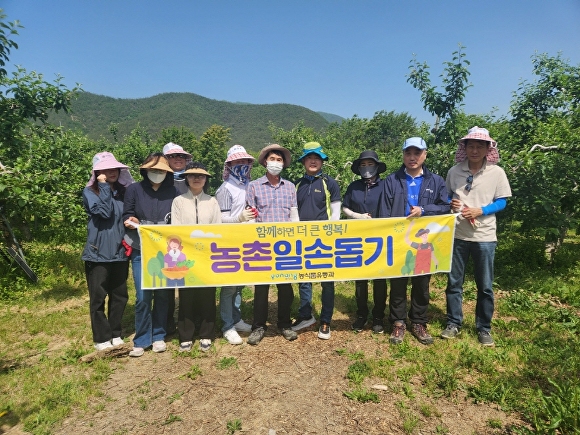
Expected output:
(200, 301)
(361, 293)
(419, 299)
(107, 280)
(285, 299)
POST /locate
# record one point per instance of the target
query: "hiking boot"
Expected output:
(398, 333)
(185, 346)
(485, 338)
(242, 326)
(420, 332)
(289, 334)
(256, 336)
(232, 336)
(204, 344)
(450, 332)
(324, 331)
(301, 323)
(359, 324)
(378, 327)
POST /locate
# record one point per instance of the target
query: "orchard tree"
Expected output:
(211, 151)
(543, 141)
(444, 105)
(26, 99)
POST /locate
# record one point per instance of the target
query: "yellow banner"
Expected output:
(270, 253)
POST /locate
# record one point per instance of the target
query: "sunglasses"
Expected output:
(196, 175)
(177, 156)
(469, 183)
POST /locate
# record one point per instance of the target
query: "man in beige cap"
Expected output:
(274, 198)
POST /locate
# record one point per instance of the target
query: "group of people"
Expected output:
(174, 190)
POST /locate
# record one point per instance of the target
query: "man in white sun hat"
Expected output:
(231, 197)
(478, 188)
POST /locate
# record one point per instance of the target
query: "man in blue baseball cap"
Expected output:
(318, 197)
(411, 192)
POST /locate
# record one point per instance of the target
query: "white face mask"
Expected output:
(156, 177)
(274, 168)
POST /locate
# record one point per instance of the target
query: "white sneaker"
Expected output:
(232, 336)
(137, 352)
(204, 344)
(185, 346)
(303, 323)
(242, 326)
(117, 341)
(103, 346)
(159, 346)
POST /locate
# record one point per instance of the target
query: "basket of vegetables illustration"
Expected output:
(178, 271)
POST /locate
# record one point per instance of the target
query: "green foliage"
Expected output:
(444, 105)
(227, 362)
(560, 411)
(362, 395)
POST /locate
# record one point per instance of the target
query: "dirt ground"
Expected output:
(277, 387)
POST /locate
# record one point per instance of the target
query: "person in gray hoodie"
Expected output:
(106, 263)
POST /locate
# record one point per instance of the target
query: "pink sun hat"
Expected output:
(482, 134)
(106, 160)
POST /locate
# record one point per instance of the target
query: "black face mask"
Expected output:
(368, 171)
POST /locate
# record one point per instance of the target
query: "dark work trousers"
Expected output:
(170, 312)
(285, 298)
(361, 294)
(419, 299)
(196, 300)
(107, 280)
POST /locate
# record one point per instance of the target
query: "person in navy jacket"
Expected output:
(411, 192)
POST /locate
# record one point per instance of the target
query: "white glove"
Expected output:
(246, 215)
(294, 217)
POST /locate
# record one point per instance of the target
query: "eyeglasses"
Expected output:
(177, 156)
(469, 183)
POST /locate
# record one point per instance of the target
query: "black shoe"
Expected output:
(378, 327)
(256, 336)
(359, 324)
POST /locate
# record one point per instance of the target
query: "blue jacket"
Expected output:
(432, 196)
(105, 226)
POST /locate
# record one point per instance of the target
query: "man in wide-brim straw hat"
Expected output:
(479, 189)
(260, 195)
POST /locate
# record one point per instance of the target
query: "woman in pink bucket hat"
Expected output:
(106, 264)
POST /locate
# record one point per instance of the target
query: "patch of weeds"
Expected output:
(171, 419)
(358, 371)
(441, 429)
(341, 352)
(227, 362)
(560, 410)
(382, 368)
(233, 426)
(405, 350)
(441, 377)
(194, 372)
(73, 354)
(101, 370)
(494, 424)
(410, 420)
(145, 388)
(408, 390)
(362, 395)
(142, 402)
(357, 355)
(496, 390)
(175, 397)
(99, 407)
(428, 410)
(406, 373)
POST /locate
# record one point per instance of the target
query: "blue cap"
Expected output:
(313, 148)
(416, 142)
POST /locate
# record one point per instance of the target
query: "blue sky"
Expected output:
(344, 57)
